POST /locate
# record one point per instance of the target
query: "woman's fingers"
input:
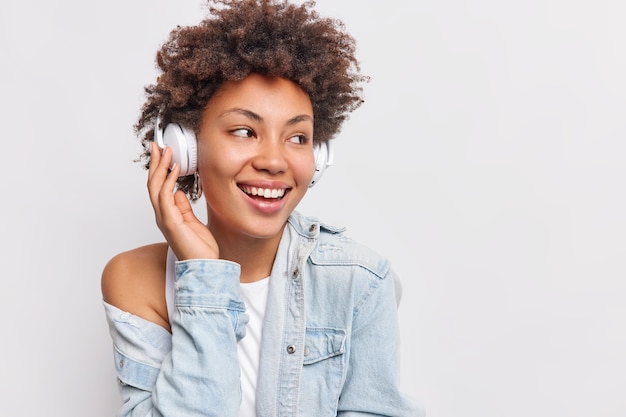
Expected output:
(158, 173)
(184, 206)
(187, 236)
(201, 243)
(165, 197)
(161, 186)
(155, 160)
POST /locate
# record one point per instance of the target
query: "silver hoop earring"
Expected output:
(196, 191)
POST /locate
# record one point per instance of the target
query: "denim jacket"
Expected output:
(329, 343)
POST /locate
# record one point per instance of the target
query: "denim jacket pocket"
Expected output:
(134, 373)
(323, 370)
(323, 343)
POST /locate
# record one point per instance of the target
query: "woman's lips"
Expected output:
(265, 200)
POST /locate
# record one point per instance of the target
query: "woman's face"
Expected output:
(255, 155)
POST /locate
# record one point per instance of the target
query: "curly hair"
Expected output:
(239, 37)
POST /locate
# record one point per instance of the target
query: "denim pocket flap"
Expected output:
(323, 343)
(134, 373)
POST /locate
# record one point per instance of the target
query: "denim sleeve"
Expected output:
(195, 371)
(373, 356)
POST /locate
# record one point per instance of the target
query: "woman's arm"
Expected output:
(193, 372)
(371, 386)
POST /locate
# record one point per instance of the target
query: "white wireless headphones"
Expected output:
(184, 149)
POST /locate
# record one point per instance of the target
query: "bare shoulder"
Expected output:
(134, 281)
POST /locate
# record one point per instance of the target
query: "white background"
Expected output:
(487, 163)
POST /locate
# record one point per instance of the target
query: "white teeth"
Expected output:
(265, 192)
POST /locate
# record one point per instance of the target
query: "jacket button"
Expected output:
(291, 349)
(312, 228)
(122, 363)
(295, 274)
(307, 351)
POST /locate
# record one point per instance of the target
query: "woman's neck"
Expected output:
(255, 256)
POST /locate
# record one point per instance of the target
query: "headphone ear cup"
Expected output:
(192, 150)
(323, 153)
(184, 147)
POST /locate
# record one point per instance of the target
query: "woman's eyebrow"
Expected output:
(299, 118)
(256, 117)
(247, 113)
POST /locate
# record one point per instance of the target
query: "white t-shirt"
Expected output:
(254, 295)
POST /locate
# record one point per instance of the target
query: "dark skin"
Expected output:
(135, 281)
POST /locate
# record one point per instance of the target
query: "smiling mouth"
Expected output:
(268, 193)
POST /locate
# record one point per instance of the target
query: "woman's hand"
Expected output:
(188, 237)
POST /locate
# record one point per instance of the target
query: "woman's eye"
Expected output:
(300, 139)
(243, 132)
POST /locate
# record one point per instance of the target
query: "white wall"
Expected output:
(487, 163)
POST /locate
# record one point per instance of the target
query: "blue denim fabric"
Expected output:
(329, 344)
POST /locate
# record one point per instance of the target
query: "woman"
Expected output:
(262, 311)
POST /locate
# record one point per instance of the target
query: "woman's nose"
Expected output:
(271, 157)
